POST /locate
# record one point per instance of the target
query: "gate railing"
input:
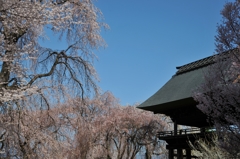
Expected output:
(179, 132)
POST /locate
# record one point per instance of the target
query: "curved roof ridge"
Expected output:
(200, 63)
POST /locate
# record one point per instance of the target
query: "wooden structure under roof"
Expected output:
(175, 100)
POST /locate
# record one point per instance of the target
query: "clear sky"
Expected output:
(149, 38)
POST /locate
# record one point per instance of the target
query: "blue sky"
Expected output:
(148, 39)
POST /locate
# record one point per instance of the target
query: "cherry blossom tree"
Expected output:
(87, 126)
(35, 80)
(45, 108)
(228, 31)
(129, 130)
(105, 129)
(83, 128)
(218, 96)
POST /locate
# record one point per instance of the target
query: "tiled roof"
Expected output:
(201, 63)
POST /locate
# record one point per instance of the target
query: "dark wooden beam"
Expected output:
(175, 127)
(179, 153)
(171, 153)
(188, 153)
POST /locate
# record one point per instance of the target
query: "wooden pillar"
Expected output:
(175, 128)
(188, 153)
(170, 153)
(179, 153)
(202, 130)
